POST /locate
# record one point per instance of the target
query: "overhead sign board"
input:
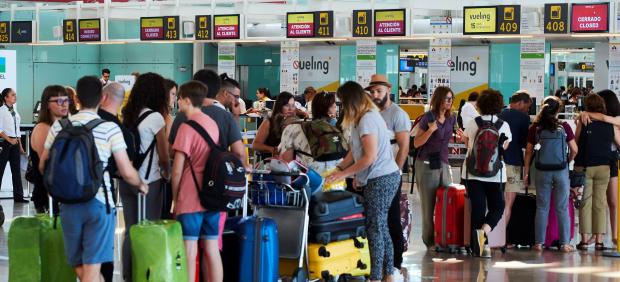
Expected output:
(159, 28)
(226, 27)
(362, 23)
(556, 18)
(300, 25)
(324, 26)
(69, 30)
(589, 17)
(480, 20)
(5, 32)
(390, 22)
(90, 30)
(21, 32)
(509, 19)
(203, 27)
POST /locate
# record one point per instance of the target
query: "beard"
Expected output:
(381, 102)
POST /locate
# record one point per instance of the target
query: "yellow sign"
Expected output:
(202, 23)
(300, 18)
(152, 22)
(556, 12)
(389, 16)
(84, 24)
(479, 20)
(227, 20)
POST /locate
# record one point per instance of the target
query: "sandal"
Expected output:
(567, 248)
(582, 246)
(537, 248)
(599, 247)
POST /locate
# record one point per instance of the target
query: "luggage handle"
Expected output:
(141, 208)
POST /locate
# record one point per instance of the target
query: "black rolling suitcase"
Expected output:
(336, 216)
(520, 229)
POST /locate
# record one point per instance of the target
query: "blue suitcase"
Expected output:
(259, 258)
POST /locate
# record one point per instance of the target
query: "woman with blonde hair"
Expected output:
(370, 159)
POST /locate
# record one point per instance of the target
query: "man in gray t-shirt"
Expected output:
(399, 126)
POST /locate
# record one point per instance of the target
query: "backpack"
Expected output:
(484, 159)
(326, 141)
(413, 151)
(224, 179)
(74, 173)
(133, 147)
(551, 154)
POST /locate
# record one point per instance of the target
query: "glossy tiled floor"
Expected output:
(422, 265)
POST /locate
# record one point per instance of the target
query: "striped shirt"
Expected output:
(108, 139)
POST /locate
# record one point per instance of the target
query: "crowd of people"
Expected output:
(152, 148)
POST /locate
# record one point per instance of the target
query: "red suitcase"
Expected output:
(449, 210)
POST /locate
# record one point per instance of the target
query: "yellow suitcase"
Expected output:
(337, 258)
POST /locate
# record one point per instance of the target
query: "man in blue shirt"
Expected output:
(516, 115)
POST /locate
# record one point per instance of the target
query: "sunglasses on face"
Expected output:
(60, 101)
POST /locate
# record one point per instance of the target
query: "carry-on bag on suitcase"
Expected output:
(350, 257)
(449, 219)
(552, 238)
(259, 252)
(157, 249)
(336, 216)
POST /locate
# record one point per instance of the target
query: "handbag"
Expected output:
(32, 174)
(577, 178)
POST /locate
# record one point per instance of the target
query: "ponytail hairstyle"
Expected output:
(547, 118)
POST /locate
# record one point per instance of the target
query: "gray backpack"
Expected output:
(552, 153)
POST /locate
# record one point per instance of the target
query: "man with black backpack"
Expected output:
(76, 152)
(399, 125)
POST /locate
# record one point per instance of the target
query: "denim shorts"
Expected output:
(207, 225)
(88, 231)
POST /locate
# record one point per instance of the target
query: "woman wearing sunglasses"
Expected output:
(54, 106)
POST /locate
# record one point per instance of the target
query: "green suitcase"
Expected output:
(54, 265)
(157, 250)
(24, 252)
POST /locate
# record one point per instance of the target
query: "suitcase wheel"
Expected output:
(324, 252)
(357, 243)
(503, 249)
(452, 250)
(326, 277)
(361, 265)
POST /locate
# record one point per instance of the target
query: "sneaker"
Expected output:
(480, 238)
(486, 252)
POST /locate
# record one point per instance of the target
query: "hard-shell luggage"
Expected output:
(497, 237)
(259, 252)
(343, 257)
(24, 252)
(54, 265)
(157, 249)
(449, 219)
(520, 229)
(552, 239)
(336, 216)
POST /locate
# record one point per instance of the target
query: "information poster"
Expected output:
(226, 53)
(5, 32)
(69, 31)
(226, 27)
(439, 55)
(613, 82)
(480, 20)
(509, 19)
(89, 30)
(532, 70)
(590, 17)
(289, 75)
(556, 18)
(366, 61)
(203, 27)
(390, 22)
(441, 25)
(362, 23)
(21, 32)
(299, 25)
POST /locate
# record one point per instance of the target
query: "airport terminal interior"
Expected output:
(357, 140)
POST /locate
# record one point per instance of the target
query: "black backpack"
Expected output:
(224, 179)
(133, 147)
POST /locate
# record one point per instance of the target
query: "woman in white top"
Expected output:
(262, 95)
(145, 110)
(11, 144)
(484, 185)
